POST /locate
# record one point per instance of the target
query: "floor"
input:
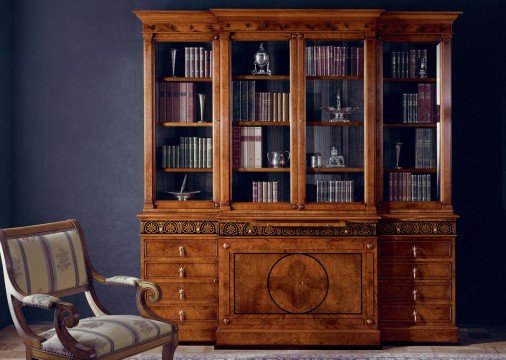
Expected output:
(474, 340)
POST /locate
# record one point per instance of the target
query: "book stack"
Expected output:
(192, 152)
(198, 62)
(334, 61)
(247, 147)
(405, 186)
(425, 156)
(420, 107)
(407, 64)
(176, 102)
(334, 191)
(249, 105)
(265, 191)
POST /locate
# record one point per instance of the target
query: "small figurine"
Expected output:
(262, 62)
(335, 160)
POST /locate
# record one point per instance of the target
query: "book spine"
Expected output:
(390, 187)
(410, 108)
(209, 153)
(236, 101)
(260, 191)
(244, 148)
(191, 69)
(196, 62)
(186, 62)
(175, 101)
(415, 108)
(269, 191)
(429, 101)
(412, 63)
(404, 108)
(418, 55)
(274, 107)
(258, 146)
(191, 93)
(211, 63)
(251, 147)
(360, 61)
(183, 102)
(394, 64)
(201, 153)
(206, 63)
(251, 101)
(254, 192)
(201, 62)
(424, 56)
(265, 191)
(275, 191)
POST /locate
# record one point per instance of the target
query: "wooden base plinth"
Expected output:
(420, 335)
(283, 337)
(197, 333)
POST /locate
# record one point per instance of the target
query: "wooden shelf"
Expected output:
(410, 125)
(262, 77)
(262, 170)
(335, 77)
(410, 80)
(188, 170)
(335, 170)
(328, 123)
(413, 170)
(180, 124)
(261, 123)
(185, 79)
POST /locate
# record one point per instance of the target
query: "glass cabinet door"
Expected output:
(411, 122)
(260, 102)
(183, 114)
(334, 126)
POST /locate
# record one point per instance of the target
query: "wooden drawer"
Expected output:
(180, 247)
(416, 249)
(416, 271)
(415, 292)
(180, 270)
(181, 291)
(424, 314)
(181, 314)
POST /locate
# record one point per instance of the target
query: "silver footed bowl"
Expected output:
(183, 196)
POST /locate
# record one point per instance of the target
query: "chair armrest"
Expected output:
(122, 281)
(43, 301)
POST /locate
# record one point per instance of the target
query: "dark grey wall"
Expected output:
(77, 130)
(5, 136)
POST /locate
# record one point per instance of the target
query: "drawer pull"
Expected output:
(414, 251)
(182, 315)
(182, 295)
(415, 316)
(415, 294)
(415, 270)
(181, 250)
(181, 272)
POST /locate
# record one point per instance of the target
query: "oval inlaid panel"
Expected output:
(298, 283)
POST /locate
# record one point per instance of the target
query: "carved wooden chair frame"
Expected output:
(65, 315)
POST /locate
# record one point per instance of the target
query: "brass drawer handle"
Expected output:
(181, 250)
(414, 251)
(415, 294)
(415, 316)
(415, 271)
(182, 315)
(182, 294)
(181, 272)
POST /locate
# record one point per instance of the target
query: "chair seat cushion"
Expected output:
(109, 334)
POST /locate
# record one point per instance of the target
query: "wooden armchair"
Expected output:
(43, 263)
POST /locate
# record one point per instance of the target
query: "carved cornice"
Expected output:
(416, 227)
(410, 28)
(298, 26)
(179, 227)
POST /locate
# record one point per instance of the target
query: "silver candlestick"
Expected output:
(173, 58)
(398, 147)
(339, 111)
(202, 102)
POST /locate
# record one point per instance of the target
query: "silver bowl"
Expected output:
(183, 196)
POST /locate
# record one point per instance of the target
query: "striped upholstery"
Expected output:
(109, 334)
(47, 262)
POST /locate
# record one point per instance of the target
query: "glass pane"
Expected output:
(411, 122)
(334, 121)
(261, 121)
(183, 117)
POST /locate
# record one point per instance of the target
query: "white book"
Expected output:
(264, 191)
(275, 191)
(191, 72)
(258, 146)
(186, 62)
(250, 160)
(209, 153)
(269, 191)
(201, 62)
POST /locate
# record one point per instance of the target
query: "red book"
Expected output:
(190, 108)
(175, 103)
(236, 147)
(161, 102)
(360, 61)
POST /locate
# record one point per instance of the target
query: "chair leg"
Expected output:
(168, 351)
(28, 354)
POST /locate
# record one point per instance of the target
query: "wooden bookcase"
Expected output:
(356, 254)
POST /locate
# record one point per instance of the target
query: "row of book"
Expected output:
(335, 191)
(409, 64)
(420, 107)
(176, 102)
(405, 186)
(198, 62)
(247, 147)
(250, 105)
(425, 154)
(192, 152)
(334, 61)
(265, 191)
